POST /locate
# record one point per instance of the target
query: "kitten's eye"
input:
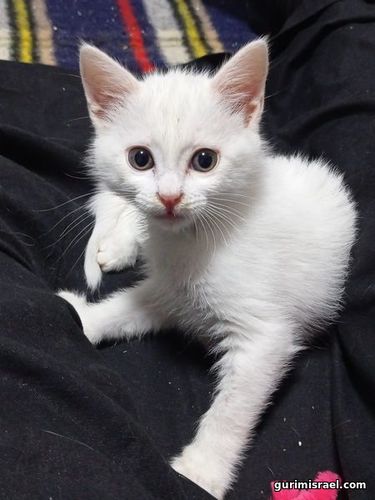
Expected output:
(204, 160)
(140, 158)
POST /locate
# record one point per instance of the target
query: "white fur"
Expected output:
(258, 260)
(114, 216)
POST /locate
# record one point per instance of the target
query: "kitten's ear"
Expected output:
(241, 81)
(105, 81)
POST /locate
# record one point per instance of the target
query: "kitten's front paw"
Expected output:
(199, 468)
(80, 304)
(116, 252)
(112, 251)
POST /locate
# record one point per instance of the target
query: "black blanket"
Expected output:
(85, 423)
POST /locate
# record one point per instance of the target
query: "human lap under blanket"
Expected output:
(81, 422)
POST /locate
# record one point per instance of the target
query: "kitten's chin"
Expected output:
(170, 223)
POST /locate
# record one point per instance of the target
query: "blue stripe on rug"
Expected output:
(233, 31)
(96, 22)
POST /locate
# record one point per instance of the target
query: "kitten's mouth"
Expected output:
(171, 219)
(169, 216)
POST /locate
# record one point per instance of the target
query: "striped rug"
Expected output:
(140, 33)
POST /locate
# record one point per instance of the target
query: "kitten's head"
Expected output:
(180, 145)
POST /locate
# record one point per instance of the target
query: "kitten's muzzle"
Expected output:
(170, 202)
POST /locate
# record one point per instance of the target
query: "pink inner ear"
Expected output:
(241, 80)
(243, 97)
(105, 81)
(104, 91)
(103, 99)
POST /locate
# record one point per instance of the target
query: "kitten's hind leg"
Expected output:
(114, 243)
(126, 314)
(249, 372)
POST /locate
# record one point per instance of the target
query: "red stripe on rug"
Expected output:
(135, 35)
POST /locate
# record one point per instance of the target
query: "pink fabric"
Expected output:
(313, 494)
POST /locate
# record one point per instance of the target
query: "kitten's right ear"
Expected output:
(105, 81)
(241, 80)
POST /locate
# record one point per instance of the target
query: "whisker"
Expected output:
(230, 194)
(18, 233)
(227, 214)
(237, 202)
(196, 229)
(227, 217)
(65, 203)
(210, 228)
(76, 262)
(227, 220)
(76, 177)
(78, 238)
(70, 74)
(205, 232)
(268, 96)
(216, 221)
(75, 119)
(79, 220)
(204, 225)
(223, 209)
(63, 218)
(92, 193)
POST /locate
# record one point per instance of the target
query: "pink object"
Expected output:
(311, 494)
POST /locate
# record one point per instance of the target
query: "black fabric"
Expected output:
(84, 423)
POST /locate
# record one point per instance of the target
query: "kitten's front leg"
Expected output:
(126, 314)
(115, 240)
(249, 372)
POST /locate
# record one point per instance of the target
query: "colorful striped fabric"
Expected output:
(140, 33)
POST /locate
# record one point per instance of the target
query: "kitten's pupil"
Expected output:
(141, 158)
(204, 160)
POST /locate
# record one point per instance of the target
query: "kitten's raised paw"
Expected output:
(197, 467)
(116, 252)
(112, 252)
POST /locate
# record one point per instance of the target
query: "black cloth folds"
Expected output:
(84, 423)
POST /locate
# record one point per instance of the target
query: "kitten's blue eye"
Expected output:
(204, 160)
(140, 158)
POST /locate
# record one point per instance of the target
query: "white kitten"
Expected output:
(248, 249)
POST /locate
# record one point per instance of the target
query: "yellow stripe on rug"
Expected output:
(210, 33)
(192, 32)
(25, 39)
(167, 31)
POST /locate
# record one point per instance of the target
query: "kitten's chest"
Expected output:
(192, 287)
(190, 304)
(178, 262)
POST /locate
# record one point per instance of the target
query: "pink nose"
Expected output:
(170, 201)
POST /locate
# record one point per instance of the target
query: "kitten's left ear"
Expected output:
(241, 81)
(107, 84)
